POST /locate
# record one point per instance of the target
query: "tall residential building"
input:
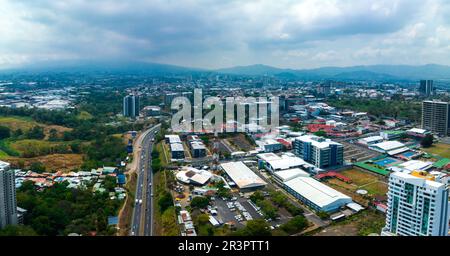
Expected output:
(426, 87)
(8, 203)
(417, 205)
(131, 106)
(436, 117)
(319, 151)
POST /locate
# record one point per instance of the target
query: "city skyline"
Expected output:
(212, 34)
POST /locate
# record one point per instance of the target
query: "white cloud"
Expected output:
(214, 33)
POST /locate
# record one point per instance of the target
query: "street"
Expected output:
(143, 208)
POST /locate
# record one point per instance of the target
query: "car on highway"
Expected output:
(140, 201)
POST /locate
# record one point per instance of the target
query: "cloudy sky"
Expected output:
(223, 33)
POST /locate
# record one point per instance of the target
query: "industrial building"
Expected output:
(281, 177)
(389, 147)
(274, 163)
(417, 132)
(270, 145)
(316, 195)
(371, 140)
(418, 205)
(242, 176)
(190, 175)
(8, 201)
(320, 152)
(436, 117)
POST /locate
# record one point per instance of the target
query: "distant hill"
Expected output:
(374, 72)
(113, 66)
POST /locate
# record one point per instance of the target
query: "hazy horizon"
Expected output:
(221, 34)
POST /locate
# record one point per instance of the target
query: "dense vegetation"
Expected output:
(59, 210)
(381, 108)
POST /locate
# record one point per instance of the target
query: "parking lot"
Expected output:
(237, 211)
(357, 152)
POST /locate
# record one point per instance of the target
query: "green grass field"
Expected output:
(439, 149)
(17, 122)
(37, 147)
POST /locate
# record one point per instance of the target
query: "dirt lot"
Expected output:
(55, 162)
(361, 224)
(374, 184)
(439, 149)
(240, 141)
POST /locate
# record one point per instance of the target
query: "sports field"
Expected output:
(439, 149)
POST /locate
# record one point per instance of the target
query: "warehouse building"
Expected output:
(274, 163)
(316, 195)
(371, 140)
(389, 147)
(242, 176)
(281, 177)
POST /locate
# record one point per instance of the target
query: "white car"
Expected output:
(140, 201)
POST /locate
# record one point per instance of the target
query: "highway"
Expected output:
(142, 219)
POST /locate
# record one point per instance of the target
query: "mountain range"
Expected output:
(369, 73)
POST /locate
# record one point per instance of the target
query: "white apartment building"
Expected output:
(417, 205)
(8, 203)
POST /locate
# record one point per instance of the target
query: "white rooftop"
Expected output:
(418, 181)
(316, 192)
(287, 162)
(4, 165)
(317, 141)
(417, 130)
(290, 174)
(268, 156)
(416, 165)
(371, 139)
(243, 176)
(389, 145)
(176, 147)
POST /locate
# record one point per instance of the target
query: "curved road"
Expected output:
(142, 219)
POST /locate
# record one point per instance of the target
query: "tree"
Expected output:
(258, 227)
(17, 133)
(5, 132)
(295, 225)
(53, 135)
(37, 167)
(257, 196)
(199, 202)
(323, 215)
(321, 133)
(36, 132)
(18, 230)
(165, 201)
(427, 141)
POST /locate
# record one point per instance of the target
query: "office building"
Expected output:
(426, 87)
(131, 106)
(8, 203)
(320, 152)
(435, 117)
(417, 205)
